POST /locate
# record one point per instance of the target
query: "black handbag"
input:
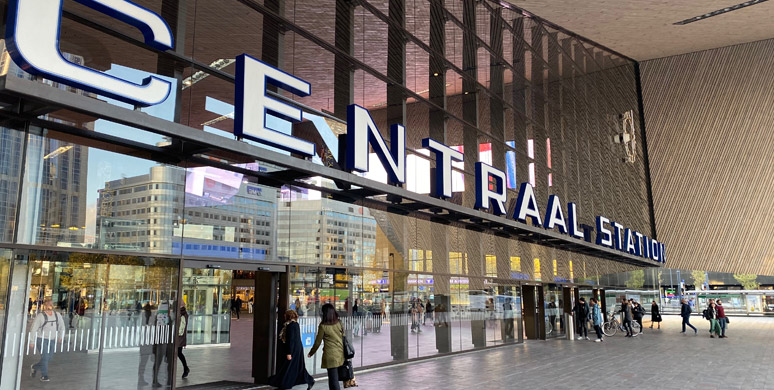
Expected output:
(346, 372)
(349, 350)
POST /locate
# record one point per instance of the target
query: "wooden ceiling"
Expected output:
(645, 29)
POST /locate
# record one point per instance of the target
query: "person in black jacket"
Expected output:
(685, 312)
(292, 368)
(655, 315)
(638, 312)
(626, 316)
(581, 311)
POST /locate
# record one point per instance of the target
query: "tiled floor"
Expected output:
(662, 359)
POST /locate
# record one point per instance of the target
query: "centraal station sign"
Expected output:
(33, 42)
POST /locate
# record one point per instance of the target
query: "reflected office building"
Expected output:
(123, 205)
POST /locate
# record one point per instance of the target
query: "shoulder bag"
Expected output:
(349, 351)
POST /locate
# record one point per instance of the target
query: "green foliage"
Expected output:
(636, 279)
(748, 281)
(699, 277)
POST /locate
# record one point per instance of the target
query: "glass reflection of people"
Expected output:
(508, 314)
(146, 343)
(50, 326)
(552, 312)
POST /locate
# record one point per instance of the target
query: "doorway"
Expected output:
(534, 312)
(232, 323)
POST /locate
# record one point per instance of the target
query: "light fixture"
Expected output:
(435, 74)
(720, 11)
(58, 151)
(201, 75)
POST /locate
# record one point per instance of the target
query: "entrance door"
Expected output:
(533, 312)
(230, 338)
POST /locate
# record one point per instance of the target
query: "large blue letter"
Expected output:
(443, 166)
(362, 131)
(604, 237)
(484, 194)
(572, 221)
(526, 206)
(252, 104)
(33, 42)
(554, 215)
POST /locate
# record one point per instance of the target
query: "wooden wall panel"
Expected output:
(709, 118)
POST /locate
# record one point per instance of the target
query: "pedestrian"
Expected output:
(655, 314)
(722, 319)
(182, 336)
(250, 305)
(596, 318)
(47, 325)
(292, 367)
(711, 315)
(238, 306)
(552, 312)
(428, 312)
(581, 311)
(685, 313)
(638, 312)
(626, 315)
(706, 315)
(331, 334)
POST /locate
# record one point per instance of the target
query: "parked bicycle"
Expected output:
(611, 326)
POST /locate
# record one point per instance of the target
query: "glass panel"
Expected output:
(139, 322)
(206, 295)
(69, 308)
(554, 310)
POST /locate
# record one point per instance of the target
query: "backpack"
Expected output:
(704, 314)
(46, 321)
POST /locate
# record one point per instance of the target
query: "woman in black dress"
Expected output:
(655, 315)
(292, 368)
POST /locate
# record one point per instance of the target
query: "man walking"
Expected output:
(47, 325)
(685, 312)
(581, 310)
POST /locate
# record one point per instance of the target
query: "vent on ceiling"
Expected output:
(720, 11)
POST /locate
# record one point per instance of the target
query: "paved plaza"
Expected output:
(663, 359)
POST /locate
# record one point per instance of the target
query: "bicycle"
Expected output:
(611, 326)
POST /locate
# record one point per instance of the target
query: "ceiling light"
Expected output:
(720, 11)
(58, 151)
(200, 75)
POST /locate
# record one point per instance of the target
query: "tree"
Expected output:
(636, 279)
(748, 281)
(698, 278)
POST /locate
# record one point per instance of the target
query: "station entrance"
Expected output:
(233, 322)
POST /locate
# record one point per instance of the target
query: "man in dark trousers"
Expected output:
(685, 312)
(581, 311)
(238, 306)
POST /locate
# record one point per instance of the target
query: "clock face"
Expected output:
(630, 145)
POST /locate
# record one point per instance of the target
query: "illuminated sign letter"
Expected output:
(362, 131)
(33, 41)
(604, 236)
(252, 104)
(629, 239)
(638, 243)
(526, 205)
(572, 221)
(618, 233)
(483, 194)
(655, 250)
(443, 168)
(554, 215)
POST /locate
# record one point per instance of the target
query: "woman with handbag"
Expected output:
(330, 332)
(292, 369)
(655, 315)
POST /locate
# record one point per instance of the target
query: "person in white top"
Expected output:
(48, 327)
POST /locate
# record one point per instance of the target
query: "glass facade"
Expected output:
(103, 217)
